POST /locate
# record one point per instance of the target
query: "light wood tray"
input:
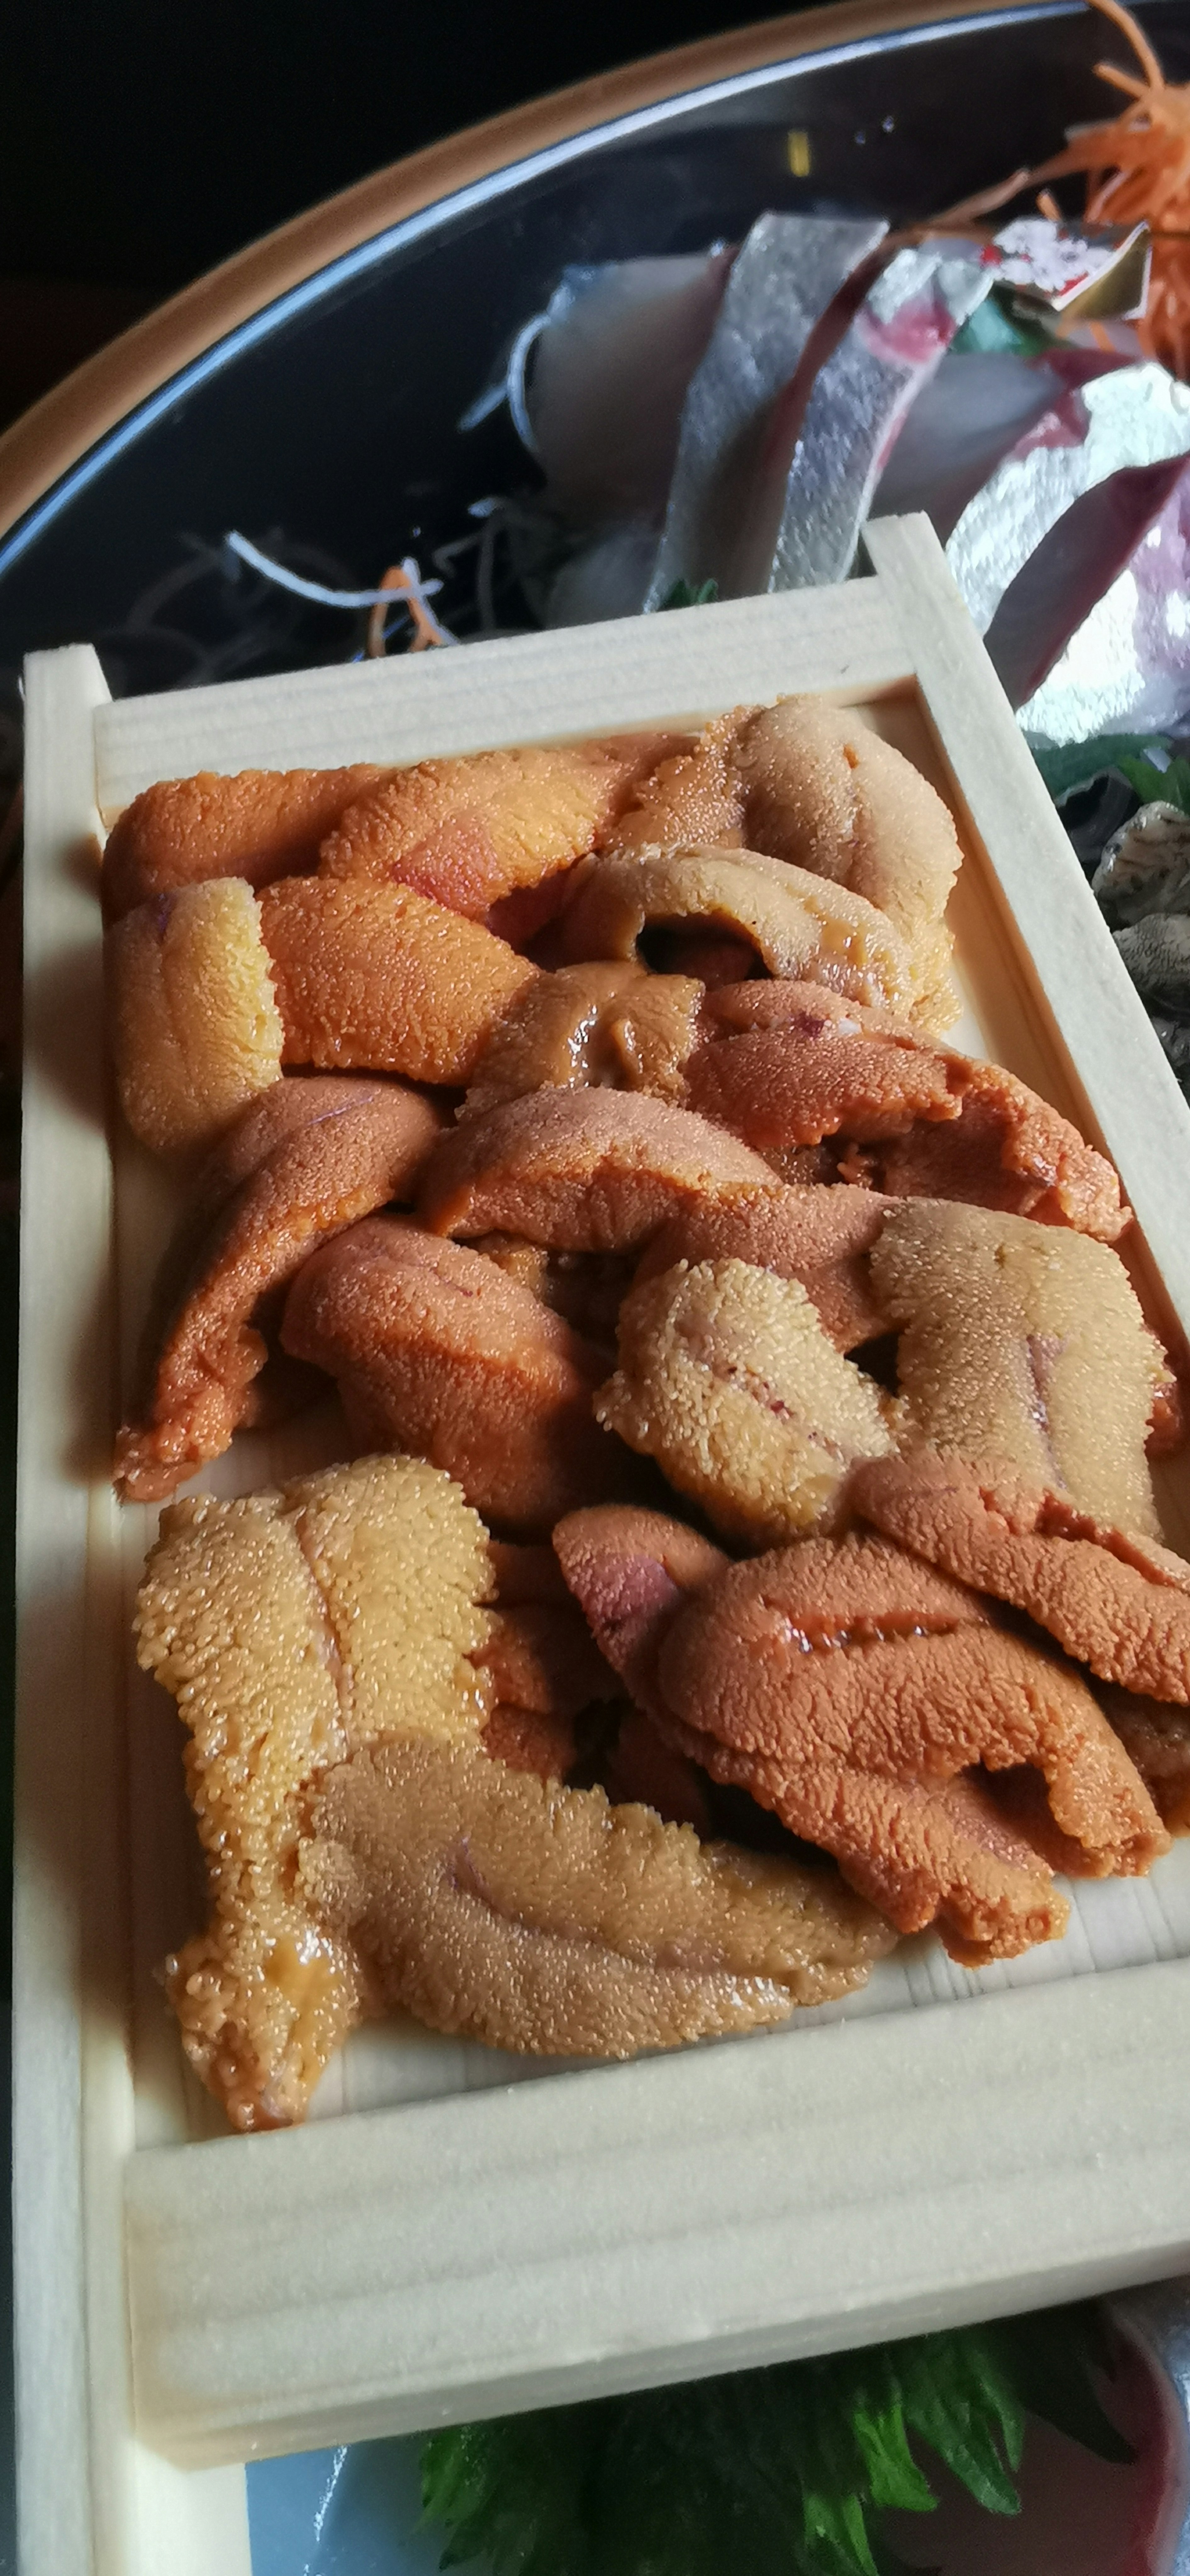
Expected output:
(442, 2240)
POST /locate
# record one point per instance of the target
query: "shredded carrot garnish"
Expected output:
(1137, 169)
(426, 630)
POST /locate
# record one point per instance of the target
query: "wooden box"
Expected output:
(453, 2232)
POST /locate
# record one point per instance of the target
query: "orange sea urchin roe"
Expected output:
(375, 975)
(472, 830)
(261, 824)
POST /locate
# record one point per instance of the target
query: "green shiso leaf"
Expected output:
(1169, 786)
(1049, 2359)
(1078, 764)
(780, 2472)
(682, 594)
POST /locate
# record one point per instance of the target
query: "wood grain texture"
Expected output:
(729, 2206)
(631, 672)
(50, 438)
(1124, 1093)
(441, 2240)
(91, 2501)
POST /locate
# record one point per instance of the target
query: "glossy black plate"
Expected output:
(327, 426)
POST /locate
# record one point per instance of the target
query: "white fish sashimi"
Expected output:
(1131, 416)
(787, 274)
(609, 373)
(966, 418)
(858, 405)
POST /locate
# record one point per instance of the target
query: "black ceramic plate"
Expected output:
(328, 423)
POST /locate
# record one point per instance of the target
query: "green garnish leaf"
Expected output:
(683, 595)
(968, 2411)
(512, 2491)
(894, 2477)
(1051, 2359)
(995, 328)
(779, 2472)
(1168, 786)
(1078, 764)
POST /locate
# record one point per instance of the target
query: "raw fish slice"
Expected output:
(968, 416)
(1077, 561)
(784, 278)
(609, 375)
(816, 490)
(1131, 416)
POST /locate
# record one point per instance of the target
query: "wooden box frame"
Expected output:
(182, 2306)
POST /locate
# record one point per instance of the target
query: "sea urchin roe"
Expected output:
(603, 1023)
(1026, 1343)
(438, 1351)
(820, 1235)
(493, 1903)
(469, 831)
(290, 1627)
(811, 785)
(364, 1848)
(852, 1749)
(799, 925)
(824, 792)
(379, 976)
(1157, 1741)
(727, 1378)
(819, 1066)
(581, 1171)
(1113, 1601)
(193, 1022)
(259, 825)
(329, 1150)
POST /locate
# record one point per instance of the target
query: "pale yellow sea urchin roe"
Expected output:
(801, 926)
(400, 1560)
(727, 1378)
(629, 1933)
(195, 1029)
(1024, 1342)
(290, 1627)
(823, 791)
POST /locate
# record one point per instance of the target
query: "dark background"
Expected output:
(142, 142)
